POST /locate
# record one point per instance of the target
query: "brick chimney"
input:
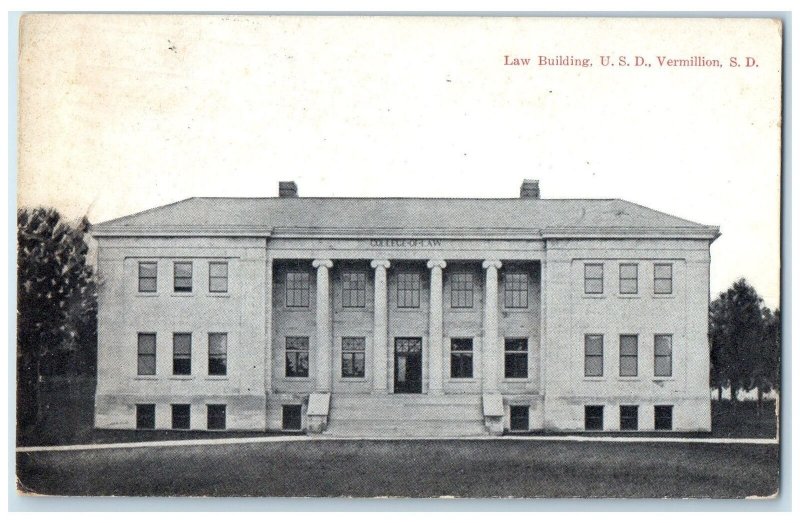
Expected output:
(529, 189)
(287, 189)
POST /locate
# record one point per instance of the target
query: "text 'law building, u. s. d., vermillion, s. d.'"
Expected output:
(403, 316)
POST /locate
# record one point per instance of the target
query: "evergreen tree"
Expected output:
(56, 303)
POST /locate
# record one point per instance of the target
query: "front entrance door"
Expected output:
(408, 365)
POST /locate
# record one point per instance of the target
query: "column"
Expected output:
(435, 328)
(268, 356)
(324, 325)
(380, 349)
(491, 348)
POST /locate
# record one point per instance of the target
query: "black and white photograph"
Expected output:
(403, 257)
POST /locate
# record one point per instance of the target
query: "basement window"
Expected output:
(181, 416)
(145, 416)
(628, 417)
(593, 417)
(663, 417)
(216, 417)
(519, 418)
(292, 417)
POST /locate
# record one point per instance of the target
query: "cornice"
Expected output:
(577, 232)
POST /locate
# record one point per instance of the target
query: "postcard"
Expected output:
(399, 256)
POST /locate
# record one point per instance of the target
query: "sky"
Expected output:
(121, 113)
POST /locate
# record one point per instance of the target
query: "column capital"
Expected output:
(322, 263)
(441, 264)
(492, 263)
(379, 263)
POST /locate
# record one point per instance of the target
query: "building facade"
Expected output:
(403, 316)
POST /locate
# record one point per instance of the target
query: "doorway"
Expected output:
(408, 365)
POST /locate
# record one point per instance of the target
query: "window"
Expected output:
(183, 276)
(297, 357)
(663, 354)
(180, 417)
(593, 278)
(146, 359)
(593, 417)
(216, 417)
(354, 289)
(292, 417)
(145, 416)
(516, 290)
(628, 278)
(629, 417)
(462, 291)
(148, 276)
(461, 358)
(663, 417)
(353, 351)
(662, 278)
(217, 353)
(298, 285)
(217, 276)
(408, 286)
(593, 355)
(628, 355)
(182, 353)
(516, 358)
(519, 418)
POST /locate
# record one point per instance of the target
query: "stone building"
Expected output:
(403, 316)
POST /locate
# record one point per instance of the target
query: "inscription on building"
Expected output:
(404, 243)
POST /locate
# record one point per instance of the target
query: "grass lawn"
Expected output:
(492, 468)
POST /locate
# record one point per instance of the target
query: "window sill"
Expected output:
(146, 378)
(594, 378)
(657, 379)
(296, 309)
(463, 380)
(181, 378)
(216, 378)
(594, 296)
(629, 378)
(516, 380)
(182, 294)
(462, 310)
(353, 380)
(218, 294)
(298, 379)
(629, 296)
(148, 294)
(516, 309)
(662, 296)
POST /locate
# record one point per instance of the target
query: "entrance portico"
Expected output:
(428, 325)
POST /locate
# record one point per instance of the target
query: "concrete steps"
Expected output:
(405, 415)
